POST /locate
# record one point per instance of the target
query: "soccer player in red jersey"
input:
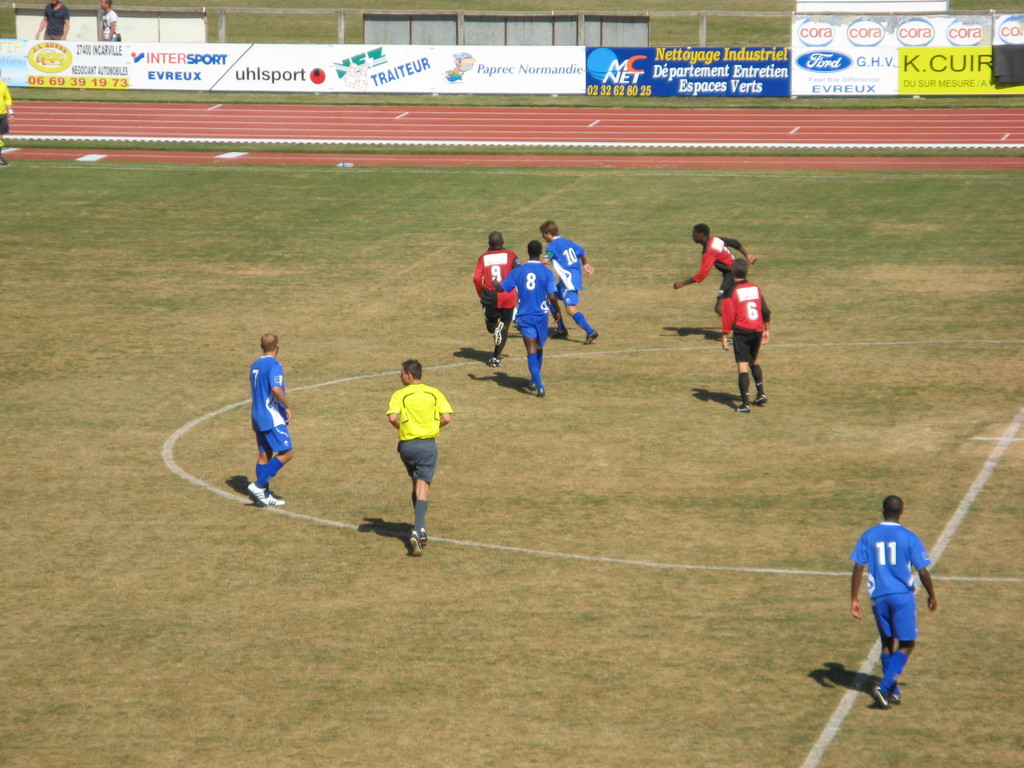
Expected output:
(492, 267)
(745, 312)
(715, 253)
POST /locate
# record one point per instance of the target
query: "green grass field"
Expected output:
(587, 598)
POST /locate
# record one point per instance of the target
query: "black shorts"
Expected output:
(746, 345)
(725, 289)
(4, 127)
(492, 314)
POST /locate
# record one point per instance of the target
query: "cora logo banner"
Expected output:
(1010, 30)
(865, 32)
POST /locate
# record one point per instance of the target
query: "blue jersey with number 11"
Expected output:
(534, 282)
(888, 550)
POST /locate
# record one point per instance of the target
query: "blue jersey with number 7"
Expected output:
(888, 550)
(534, 282)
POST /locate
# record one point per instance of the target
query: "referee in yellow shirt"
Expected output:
(5, 110)
(418, 412)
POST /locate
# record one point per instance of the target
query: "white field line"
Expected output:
(168, 457)
(510, 143)
(834, 724)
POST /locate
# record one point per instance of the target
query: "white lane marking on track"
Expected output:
(232, 155)
(399, 117)
(794, 130)
(451, 142)
(215, 106)
(846, 703)
(596, 122)
(167, 454)
(89, 158)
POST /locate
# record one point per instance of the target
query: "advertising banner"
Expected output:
(307, 68)
(13, 67)
(891, 31)
(741, 71)
(1009, 30)
(846, 72)
(950, 71)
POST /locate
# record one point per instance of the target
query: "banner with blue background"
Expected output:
(684, 71)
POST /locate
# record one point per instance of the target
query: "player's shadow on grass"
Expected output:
(715, 397)
(399, 531)
(239, 483)
(473, 354)
(709, 335)
(836, 675)
(503, 380)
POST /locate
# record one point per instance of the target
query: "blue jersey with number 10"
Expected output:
(565, 255)
(534, 282)
(888, 550)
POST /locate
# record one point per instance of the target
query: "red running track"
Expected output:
(521, 126)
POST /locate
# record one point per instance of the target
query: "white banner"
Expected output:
(1009, 30)
(891, 31)
(309, 68)
(845, 72)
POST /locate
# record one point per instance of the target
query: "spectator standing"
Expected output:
(56, 22)
(110, 30)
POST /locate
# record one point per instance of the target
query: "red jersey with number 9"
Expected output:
(491, 268)
(745, 309)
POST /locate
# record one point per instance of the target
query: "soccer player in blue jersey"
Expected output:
(536, 287)
(570, 262)
(887, 551)
(270, 416)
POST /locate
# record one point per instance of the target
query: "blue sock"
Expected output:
(533, 363)
(558, 322)
(897, 664)
(266, 471)
(581, 321)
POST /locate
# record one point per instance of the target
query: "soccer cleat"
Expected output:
(414, 542)
(497, 332)
(743, 409)
(423, 538)
(258, 495)
(272, 500)
(494, 362)
(761, 399)
(540, 392)
(879, 697)
(591, 338)
(559, 333)
(3, 162)
(531, 387)
(895, 698)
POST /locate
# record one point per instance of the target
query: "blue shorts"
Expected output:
(419, 457)
(534, 326)
(276, 440)
(896, 616)
(569, 298)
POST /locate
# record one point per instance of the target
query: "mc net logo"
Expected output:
(603, 65)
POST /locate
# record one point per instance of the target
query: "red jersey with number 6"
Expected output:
(746, 309)
(491, 268)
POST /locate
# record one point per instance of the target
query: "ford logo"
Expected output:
(823, 61)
